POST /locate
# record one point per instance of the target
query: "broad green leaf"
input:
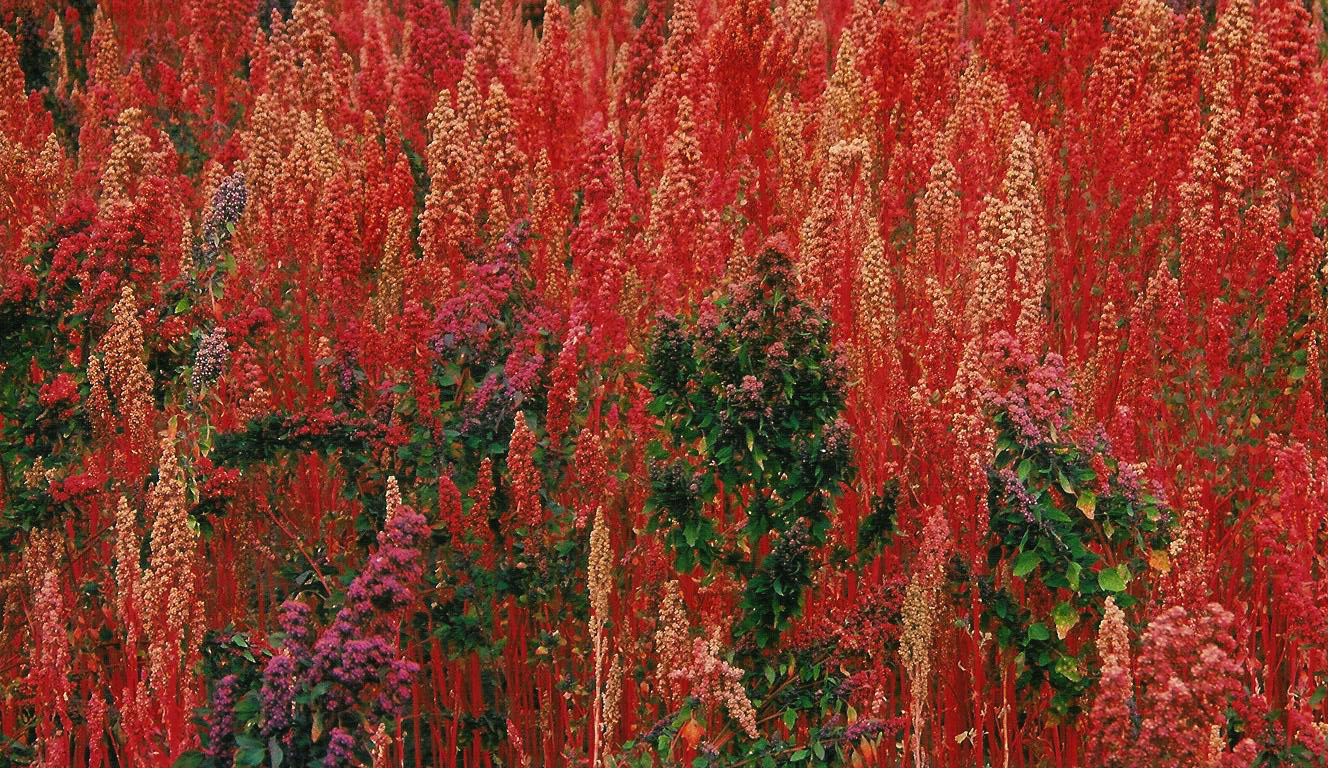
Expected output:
(1066, 485)
(1025, 563)
(1110, 580)
(1065, 617)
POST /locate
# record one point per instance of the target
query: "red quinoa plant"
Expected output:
(415, 383)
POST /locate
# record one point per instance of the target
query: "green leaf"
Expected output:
(1038, 632)
(191, 759)
(1065, 617)
(1065, 482)
(1068, 667)
(1072, 574)
(1025, 563)
(246, 708)
(1087, 504)
(1110, 580)
(246, 741)
(249, 757)
(790, 717)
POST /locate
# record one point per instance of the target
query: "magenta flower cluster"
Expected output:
(1040, 394)
(350, 675)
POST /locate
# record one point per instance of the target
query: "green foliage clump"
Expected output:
(1070, 525)
(749, 396)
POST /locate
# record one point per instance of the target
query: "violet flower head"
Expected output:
(865, 728)
(382, 587)
(357, 651)
(1016, 487)
(490, 405)
(346, 369)
(361, 659)
(295, 622)
(352, 670)
(210, 359)
(229, 201)
(838, 442)
(1132, 479)
(340, 749)
(228, 204)
(221, 720)
(395, 692)
(277, 696)
(749, 397)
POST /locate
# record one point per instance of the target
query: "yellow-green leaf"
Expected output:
(1065, 617)
(1087, 504)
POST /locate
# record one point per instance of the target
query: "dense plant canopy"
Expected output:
(704, 383)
